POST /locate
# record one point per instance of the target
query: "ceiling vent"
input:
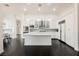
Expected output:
(7, 5)
(39, 5)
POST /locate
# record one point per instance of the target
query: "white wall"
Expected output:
(1, 36)
(71, 32)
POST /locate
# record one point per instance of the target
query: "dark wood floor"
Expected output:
(16, 48)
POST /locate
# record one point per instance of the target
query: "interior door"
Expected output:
(62, 31)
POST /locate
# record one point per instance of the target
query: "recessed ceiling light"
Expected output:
(27, 19)
(54, 9)
(39, 9)
(25, 9)
(38, 19)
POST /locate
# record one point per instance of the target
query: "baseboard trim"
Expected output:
(65, 43)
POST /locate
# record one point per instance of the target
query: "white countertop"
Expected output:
(40, 33)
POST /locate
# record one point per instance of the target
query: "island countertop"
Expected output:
(40, 33)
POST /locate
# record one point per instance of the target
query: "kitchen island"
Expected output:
(38, 38)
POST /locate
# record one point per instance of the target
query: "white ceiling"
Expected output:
(18, 8)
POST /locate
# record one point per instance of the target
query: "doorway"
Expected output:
(62, 25)
(18, 27)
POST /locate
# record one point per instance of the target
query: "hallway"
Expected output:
(57, 49)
